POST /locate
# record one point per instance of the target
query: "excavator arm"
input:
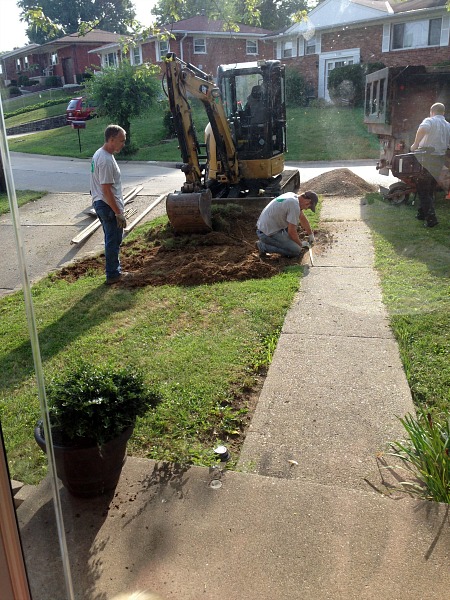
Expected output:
(183, 79)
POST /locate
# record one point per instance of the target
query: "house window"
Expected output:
(416, 34)
(252, 46)
(110, 59)
(26, 65)
(286, 49)
(310, 46)
(199, 46)
(136, 55)
(54, 58)
(162, 48)
(18, 68)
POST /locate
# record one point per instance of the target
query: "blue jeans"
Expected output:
(278, 243)
(113, 237)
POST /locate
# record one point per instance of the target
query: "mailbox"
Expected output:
(78, 124)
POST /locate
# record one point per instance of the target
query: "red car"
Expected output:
(80, 109)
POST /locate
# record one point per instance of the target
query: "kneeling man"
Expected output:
(277, 224)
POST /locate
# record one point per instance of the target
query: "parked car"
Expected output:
(80, 109)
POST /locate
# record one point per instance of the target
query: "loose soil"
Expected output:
(228, 253)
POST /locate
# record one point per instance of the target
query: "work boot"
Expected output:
(121, 277)
(431, 222)
(420, 215)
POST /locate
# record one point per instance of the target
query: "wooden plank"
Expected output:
(145, 212)
(89, 230)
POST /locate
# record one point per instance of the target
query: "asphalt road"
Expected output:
(59, 174)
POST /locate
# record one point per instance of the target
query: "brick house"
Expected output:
(343, 32)
(199, 41)
(65, 57)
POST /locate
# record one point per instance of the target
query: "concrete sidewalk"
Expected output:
(302, 519)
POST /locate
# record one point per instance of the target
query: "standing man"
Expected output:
(277, 224)
(107, 198)
(433, 133)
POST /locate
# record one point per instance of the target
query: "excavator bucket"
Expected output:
(190, 212)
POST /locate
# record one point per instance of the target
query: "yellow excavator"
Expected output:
(242, 156)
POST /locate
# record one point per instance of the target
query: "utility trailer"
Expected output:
(397, 99)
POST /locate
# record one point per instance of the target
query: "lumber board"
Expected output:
(89, 230)
(129, 227)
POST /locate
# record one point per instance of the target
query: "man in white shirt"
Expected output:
(433, 134)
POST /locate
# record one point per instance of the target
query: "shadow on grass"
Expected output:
(408, 236)
(90, 311)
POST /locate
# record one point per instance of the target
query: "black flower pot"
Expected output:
(88, 471)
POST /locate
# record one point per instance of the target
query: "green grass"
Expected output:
(23, 197)
(311, 135)
(414, 266)
(205, 346)
(12, 104)
(36, 115)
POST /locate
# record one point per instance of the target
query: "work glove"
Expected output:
(306, 245)
(311, 239)
(121, 221)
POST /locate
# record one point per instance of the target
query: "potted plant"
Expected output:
(93, 410)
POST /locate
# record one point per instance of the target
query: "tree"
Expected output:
(124, 92)
(230, 11)
(277, 14)
(49, 19)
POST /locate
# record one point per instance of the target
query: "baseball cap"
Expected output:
(312, 196)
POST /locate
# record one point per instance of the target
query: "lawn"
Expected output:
(414, 267)
(311, 135)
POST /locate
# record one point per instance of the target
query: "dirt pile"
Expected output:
(163, 258)
(226, 254)
(340, 182)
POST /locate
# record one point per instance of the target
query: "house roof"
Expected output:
(330, 14)
(202, 24)
(96, 36)
(24, 50)
(409, 5)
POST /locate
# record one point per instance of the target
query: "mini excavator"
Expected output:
(242, 157)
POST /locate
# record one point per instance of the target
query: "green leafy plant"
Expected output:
(425, 455)
(97, 403)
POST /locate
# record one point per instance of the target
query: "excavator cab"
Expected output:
(253, 97)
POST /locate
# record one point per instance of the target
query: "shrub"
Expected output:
(97, 402)
(53, 81)
(169, 127)
(23, 80)
(14, 91)
(298, 90)
(346, 85)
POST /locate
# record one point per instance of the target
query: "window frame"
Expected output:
(287, 46)
(196, 45)
(159, 52)
(310, 46)
(400, 32)
(255, 44)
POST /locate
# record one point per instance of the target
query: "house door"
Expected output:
(331, 60)
(68, 73)
(334, 63)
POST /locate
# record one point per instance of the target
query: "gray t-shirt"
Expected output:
(279, 213)
(104, 169)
